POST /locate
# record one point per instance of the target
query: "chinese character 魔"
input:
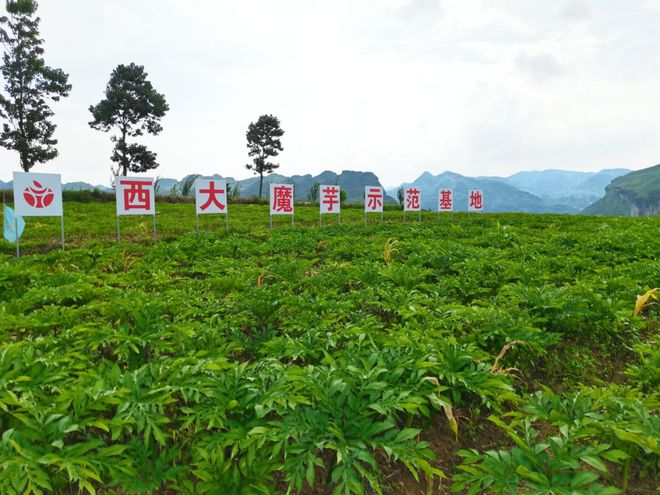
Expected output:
(137, 196)
(212, 193)
(283, 200)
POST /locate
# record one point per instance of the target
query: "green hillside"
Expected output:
(634, 194)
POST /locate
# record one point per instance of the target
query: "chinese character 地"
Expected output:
(212, 193)
(476, 200)
(282, 200)
(137, 196)
(330, 197)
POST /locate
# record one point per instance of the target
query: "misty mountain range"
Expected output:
(547, 191)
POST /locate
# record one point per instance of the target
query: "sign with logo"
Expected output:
(412, 199)
(38, 195)
(210, 196)
(281, 199)
(330, 199)
(476, 200)
(135, 195)
(373, 199)
(446, 200)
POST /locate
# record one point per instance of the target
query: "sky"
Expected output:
(396, 87)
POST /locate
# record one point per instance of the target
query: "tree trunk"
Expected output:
(261, 183)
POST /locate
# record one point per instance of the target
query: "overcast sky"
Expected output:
(397, 87)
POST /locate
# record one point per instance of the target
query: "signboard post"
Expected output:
(281, 201)
(211, 198)
(412, 202)
(373, 201)
(330, 202)
(446, 201)
(37, 195)
(135, 196)
(476, 200)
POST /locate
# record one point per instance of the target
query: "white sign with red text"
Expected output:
(135, 195)
(373, 199)
(476, 200)
(412, 199)
(330, 199)
(281, 199)
(38, 195)
(445, 200)
(210, 196)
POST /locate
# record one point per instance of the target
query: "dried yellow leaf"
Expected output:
(644, 301)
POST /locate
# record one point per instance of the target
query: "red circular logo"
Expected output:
(38, 196)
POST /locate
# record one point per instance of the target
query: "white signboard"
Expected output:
(281, 199)
(445, 200)
(330, 199)
(210, 196)
(476, 200)
(373, 199)
(412, 199)
(38, 195)
(135, 195)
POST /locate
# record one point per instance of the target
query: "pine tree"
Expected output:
(29, 85)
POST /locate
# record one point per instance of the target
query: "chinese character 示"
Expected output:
(137, 196)
(330, 197)
(446, 200)
(283, 199)
(476, 200)
(213, 194)
(375, 198)
(412, 199)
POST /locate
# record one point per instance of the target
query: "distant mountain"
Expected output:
(574, 189)
(69, 186)
(635, 194)
(351, 182)
(83, 186)
(499, 196)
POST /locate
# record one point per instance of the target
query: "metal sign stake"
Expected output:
(155, 234)
(118, 230)
(18, 249)
(62, 229)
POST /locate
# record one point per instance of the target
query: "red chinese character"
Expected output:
(476, 200)
(282, 200)
(375, 197)
(137, 196)
(412, 199)
(38, 196)
(213, 199)
(446, 202)
(330, 197)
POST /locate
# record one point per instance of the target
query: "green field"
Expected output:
(469, 353)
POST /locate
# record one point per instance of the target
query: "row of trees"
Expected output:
(131, 107)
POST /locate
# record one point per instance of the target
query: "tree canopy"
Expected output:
(131, 106)
(29, 85)
(263, 142)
